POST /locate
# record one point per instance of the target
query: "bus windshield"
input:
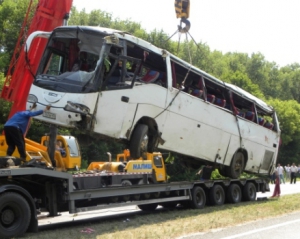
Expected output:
(73, 60)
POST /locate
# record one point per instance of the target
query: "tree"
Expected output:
(12, 14)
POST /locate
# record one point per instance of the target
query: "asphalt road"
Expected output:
(273, 228)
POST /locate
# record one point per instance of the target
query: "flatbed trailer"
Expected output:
(24, 191)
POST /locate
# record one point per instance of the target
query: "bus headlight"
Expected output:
(77, 108)
(32, 99)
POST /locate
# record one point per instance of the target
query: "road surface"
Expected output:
(272, 228)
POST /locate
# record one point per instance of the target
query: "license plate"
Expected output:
(49, 115)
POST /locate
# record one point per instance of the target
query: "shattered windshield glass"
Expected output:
(71, 61)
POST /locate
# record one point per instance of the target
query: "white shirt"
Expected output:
(280, 170)
(294, 169)
(287, 169)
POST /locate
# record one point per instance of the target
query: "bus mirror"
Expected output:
(32, 36)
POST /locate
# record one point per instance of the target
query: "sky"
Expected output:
(269, 27)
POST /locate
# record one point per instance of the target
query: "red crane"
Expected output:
(48, 15)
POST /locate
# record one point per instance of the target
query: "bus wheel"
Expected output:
(237, 165)
(217, 195)
(234, 193)
(198, 198)
(139, 141)
(249, 192)
(126, 183)
(14, 215)
(148, 207)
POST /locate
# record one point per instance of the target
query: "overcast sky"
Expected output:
(270, 27)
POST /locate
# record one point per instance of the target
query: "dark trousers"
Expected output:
(293, 177)
(14, 138)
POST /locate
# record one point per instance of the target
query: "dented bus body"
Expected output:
(121, 87)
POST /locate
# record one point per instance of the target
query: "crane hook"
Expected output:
(187, 25)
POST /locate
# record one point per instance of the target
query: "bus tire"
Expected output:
(234, 193)
(15, 215)
(237, 166)
(148, 207)
(139, 141)
(217, 195)
(198, 198)
(249, 192)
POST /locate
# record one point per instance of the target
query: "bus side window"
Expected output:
(150, 77)
(261, 120)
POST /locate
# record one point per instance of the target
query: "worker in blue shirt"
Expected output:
(15, 129)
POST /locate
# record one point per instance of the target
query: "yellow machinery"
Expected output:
(153, 163)
(70, 160)
(182, 8)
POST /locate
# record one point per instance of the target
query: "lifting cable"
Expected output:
(182, 8)
(183, 82)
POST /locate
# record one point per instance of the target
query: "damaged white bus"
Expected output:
(121, 87)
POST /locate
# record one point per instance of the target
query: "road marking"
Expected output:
(261, 229)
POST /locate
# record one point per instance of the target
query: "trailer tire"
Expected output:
(15, 215)
(126, 183)
(139, 141)
(169, 205)
(234, 193)
(136, 197)
(237, 166)
(148, 207)
(217, 195)
(144, 195)
(198, 198)
(249, 192)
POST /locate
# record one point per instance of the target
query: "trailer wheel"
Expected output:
(237, 166)
(249, 192)
(139, 141)
(14, 215)
(148, 207)
(234, 193)
(217, 195)
(169, 205)
(144, 195)
(136, 197)
(198, 198)
(126, 183)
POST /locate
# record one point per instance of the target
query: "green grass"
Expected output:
(174, 223)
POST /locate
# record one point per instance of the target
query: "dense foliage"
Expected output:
(279, 86)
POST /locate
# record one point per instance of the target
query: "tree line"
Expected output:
(278, 86)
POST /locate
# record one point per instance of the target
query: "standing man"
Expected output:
(287, 172)
(280, 173)
(294, 171)
(15, 129)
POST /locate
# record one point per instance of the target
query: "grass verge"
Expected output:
(174, 223)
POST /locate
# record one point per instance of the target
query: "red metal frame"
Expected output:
(49, 14)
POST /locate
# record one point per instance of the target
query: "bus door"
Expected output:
(115, 97)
